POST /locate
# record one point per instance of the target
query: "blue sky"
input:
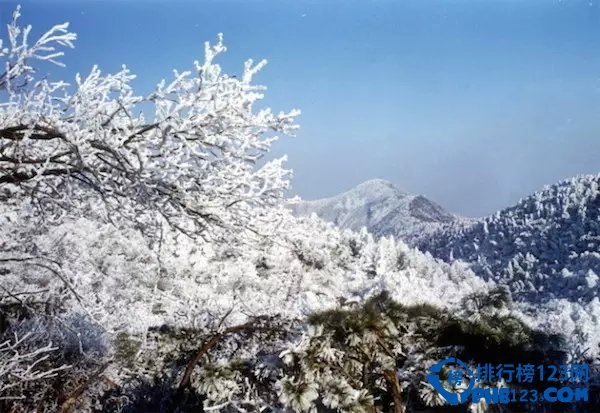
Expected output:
(472, 103)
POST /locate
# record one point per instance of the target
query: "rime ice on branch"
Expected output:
(194, 164)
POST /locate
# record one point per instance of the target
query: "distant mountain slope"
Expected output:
(380, 207)
(545, 247)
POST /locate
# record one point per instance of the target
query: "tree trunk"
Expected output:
(394, 390)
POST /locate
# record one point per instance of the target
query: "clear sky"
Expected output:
(472, 103)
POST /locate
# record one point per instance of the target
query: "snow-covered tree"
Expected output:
(189, 153)
(184, 160)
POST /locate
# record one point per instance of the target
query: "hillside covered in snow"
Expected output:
(545, 249)
(546, 246)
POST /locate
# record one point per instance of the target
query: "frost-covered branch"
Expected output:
(212, 341)
(194, 165)
(18, 55)
(20, 365)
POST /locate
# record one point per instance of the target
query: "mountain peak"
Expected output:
(381, 207)
(373, 189)
(376, 183)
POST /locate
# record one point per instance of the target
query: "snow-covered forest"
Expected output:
(544, 249)
(149, 262)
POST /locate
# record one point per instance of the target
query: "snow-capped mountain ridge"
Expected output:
(545, 249)
(382, 208)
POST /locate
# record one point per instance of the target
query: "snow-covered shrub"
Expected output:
(45, 359)
(353, 358)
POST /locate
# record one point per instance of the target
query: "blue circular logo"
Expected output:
(455, 377)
